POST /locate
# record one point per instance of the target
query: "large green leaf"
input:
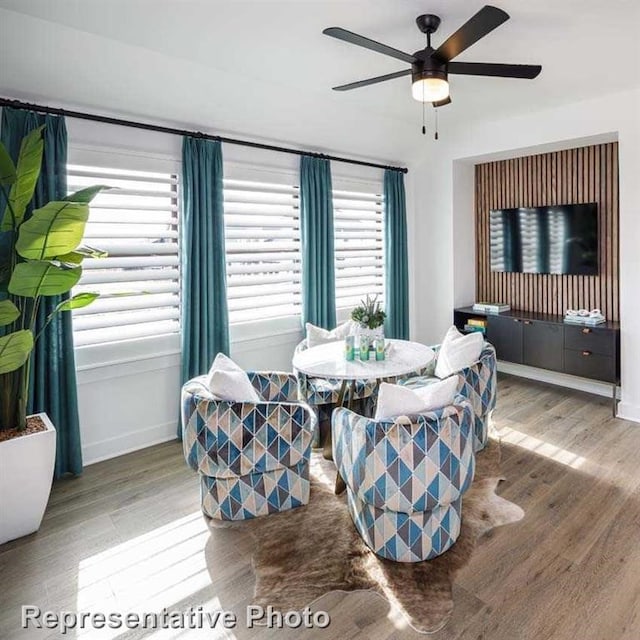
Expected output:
(8, 312)
(14, 350)
(7, 168)
(27, 172)
(77, 302)
(53, 230)
(31, 279)
(80, 253)
(88, 194)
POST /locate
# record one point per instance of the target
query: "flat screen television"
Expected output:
(560, 239)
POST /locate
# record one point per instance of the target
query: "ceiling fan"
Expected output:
(431, 67)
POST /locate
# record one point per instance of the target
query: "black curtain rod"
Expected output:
(17, 104)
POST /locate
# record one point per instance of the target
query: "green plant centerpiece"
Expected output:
(369, 318)
(40, 255)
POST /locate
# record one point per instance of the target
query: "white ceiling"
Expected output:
(264, 68)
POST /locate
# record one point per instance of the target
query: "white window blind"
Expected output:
(357, 220)
(262, 236)
(137, 225)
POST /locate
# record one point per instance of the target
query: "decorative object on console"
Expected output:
(252, 457)
(582, 316)
(476, 324)
(491, 307)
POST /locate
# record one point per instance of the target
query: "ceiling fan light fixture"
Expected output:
(429, 81)
(430, 89)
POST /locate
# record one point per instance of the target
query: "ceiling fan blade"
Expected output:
(527, 71)
(367, 43)
(442, 103)
(477, 27)
(365, 83)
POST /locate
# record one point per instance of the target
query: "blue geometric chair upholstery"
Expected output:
(253, 458)
(478, 384)
(405, 478)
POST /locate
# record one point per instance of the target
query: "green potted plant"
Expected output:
(40, 255)
(369, 318)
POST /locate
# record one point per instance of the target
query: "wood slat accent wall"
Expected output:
(571, 176)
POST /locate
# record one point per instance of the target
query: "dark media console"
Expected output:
(545, 341)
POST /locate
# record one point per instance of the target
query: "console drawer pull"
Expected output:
(516, 320)
(586, 330)
(586, 353)
(527, 322)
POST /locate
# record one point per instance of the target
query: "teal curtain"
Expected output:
(53, 371)
(205, 321)
(316, 225)
(396, 256)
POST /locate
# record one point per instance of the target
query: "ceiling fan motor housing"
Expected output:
(427, 66)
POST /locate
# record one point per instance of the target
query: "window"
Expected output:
(262, 235)
(358, 246)
(136, 223)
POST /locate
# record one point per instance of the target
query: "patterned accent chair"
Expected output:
(253, 458)
(478, 384)
(405, 478)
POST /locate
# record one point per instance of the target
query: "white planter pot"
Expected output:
(26, 473)
(370, 334)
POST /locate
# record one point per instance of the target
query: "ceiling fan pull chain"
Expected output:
(436, 133)
(424, 128)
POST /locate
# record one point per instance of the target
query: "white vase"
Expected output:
(26, 474)
(370, 334)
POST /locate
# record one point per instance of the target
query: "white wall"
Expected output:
(446, 267)
(128, 392)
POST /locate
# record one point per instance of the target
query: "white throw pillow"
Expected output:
(227, 381)
(458, 351)
(318, 335)
(396, 400)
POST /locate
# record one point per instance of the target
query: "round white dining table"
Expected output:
(402, 358)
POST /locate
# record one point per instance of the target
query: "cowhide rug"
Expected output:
(302, 554)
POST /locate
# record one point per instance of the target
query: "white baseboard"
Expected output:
(133, 441)
(560, 379)
(628, 411)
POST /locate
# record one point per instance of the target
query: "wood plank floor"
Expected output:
(128, 535)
